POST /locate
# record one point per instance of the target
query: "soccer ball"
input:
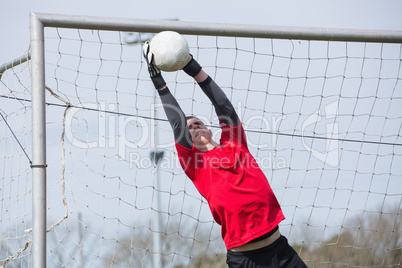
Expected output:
(171, 51)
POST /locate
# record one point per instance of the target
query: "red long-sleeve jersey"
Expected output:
(237, 191)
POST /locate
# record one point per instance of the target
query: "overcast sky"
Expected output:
(373, 14)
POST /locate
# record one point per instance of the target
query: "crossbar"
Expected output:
(219, 29)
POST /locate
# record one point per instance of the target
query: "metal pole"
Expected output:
(156, 156)
(8, 65)
(156, 219)
(38, 143)
(216, 29)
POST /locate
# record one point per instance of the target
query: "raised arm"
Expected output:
(223, 107)
(174, 113)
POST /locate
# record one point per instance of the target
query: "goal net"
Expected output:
(322, 118)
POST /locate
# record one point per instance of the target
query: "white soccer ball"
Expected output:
(171, 51)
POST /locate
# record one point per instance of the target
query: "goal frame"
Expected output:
(38, 22)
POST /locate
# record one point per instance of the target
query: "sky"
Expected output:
(374, 14)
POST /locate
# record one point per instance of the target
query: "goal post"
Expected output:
(321, 108)
(217, 29)
(39, 193)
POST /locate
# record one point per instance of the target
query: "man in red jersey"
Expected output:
(227, 176)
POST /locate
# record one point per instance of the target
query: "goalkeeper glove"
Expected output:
(154, 72)
(192, 68)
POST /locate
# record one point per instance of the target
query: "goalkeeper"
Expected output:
(227, 176)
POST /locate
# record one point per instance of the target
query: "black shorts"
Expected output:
(278, 254)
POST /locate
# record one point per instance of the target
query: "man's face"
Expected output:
(198, 130)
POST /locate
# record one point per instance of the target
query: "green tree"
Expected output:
(372, 240)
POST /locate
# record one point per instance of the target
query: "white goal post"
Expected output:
(321, 109)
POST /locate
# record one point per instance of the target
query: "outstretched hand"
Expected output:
(154, 72)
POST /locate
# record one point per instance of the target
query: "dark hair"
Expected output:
(190, 117)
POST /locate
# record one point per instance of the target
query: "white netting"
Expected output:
(323, 120)
(15, 172)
